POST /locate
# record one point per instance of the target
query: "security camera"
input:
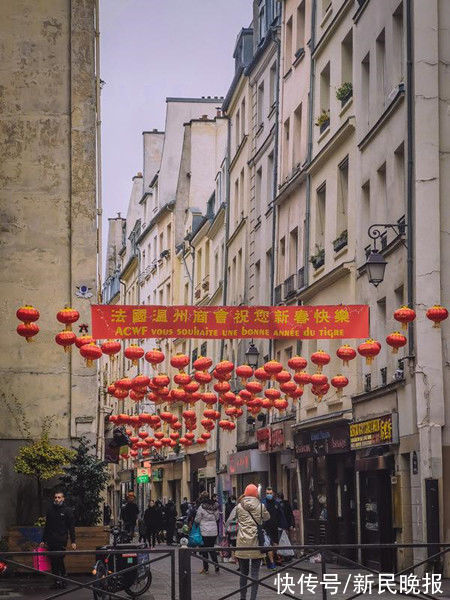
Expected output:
(398, 375)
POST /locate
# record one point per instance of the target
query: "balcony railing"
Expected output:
(278, 292)
(289, 286)
(301, 278)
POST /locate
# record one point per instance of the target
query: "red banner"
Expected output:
(210, 322)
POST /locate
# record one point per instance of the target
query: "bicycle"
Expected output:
(134, 583)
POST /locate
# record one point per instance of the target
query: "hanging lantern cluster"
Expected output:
(28, 328)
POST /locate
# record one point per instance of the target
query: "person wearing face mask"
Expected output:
(275, 522)
(59, 525)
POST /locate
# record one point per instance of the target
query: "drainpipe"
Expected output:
(277, 42)
(312, 76)
(410, 170)
(224, 293)
(191, 277)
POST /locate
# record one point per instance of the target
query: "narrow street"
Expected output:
(212, 586)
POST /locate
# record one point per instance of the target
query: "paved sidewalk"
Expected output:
(208, 587)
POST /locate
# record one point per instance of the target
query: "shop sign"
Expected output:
(374, 432)
(220, 322)
(247, 461)
(158, 475)
(143, 474)
(263, 437)
(319, 442)
(277, 438)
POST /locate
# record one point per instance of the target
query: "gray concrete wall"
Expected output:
(48, 216)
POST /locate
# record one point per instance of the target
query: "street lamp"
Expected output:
(376, 265)
(252, 355)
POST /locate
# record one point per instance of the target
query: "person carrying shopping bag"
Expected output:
(207, 517)
(250, 515)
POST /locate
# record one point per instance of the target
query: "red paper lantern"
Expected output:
(229, 397)
(166, 417)
(209, 398)
(182, 378)
(184, 442)
(90, 352)
(177, 425)
(221, 387)
(231, 412)
(252, 387)
(150, 441)
(346, 353)
(396, 340)
(289, 388)
(283, 377)
(178, 395)
(65, 339)
(143, 434)
(120, 394)
(225, 367)
(27, 330)
(140, 381)
(134, 353)
(272, 367)
(191, 387)
(261, 374)
(221, 376)
(302, 378)
(124, 384)
(201, 441)
(244, 372)
(202, 377)
(369, 349)
(189, 435)
(318, 379)
(179, 361)
(133, 438)
(266, 403)
(146, 452)
(154, 357)
(113, 418)
(404, 315)
(157, 444)
(159, 435)
(206, 435)
(211, 414)
(27, 314)
(189, 415)
(174, 436)
(227, 425)
(68, 316)
(84, 339)
(280, 404)
(203, 363)
(320, 358)
(136, 396)
(437, 314)
(238, 401)
(339, 382)
(110, 348)
(207, 424)
(272, 394)
(146, 418)
(161, 380)
(173, 443)
(297, 363)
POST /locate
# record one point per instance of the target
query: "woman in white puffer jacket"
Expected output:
(207, 517)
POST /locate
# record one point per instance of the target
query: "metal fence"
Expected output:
(181, 559)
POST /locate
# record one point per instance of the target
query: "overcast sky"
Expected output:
(151, 49)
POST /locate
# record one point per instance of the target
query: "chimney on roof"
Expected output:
(154, 130)
(205, 117)
(118, 215)
(218, 111)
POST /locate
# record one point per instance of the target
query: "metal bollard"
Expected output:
(184, 574)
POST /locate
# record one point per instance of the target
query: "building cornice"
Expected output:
(217, 222)
(235, 233)
(326, 280)
(235, 84)
(344, 132)
(388, 112)
(330, 418)
(131, 262)
(377, 393)
(238, 152)
(330, 30)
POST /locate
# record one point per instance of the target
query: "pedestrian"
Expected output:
(106, 514)
(59, 525)
(170, 521)
(151, 523)
(287, 511)
(129, 514)
(231, 529)
(250, 513)
(230, 504)
(184, 507)
(206, 517)
(160, 521)
(275, 522)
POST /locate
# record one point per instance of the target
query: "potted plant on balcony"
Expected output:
(323, 120)
(344, 92)
(318, 259)
(341, 241)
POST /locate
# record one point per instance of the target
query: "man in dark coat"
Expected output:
(170, 521)
(59, 525)
(184, 507)
(129, 514)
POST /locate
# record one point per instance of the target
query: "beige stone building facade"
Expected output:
(49, 227)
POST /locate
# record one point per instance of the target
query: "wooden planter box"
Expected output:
(27, 538)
